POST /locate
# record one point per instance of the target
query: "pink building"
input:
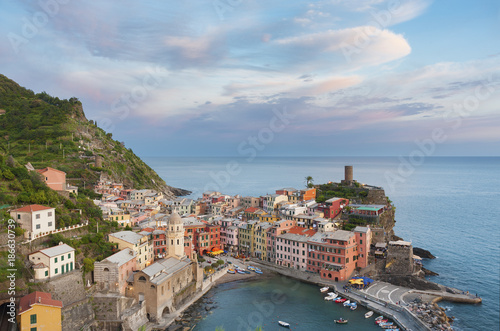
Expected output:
(111, 273)
(277, 229)
(55, 179)
(292, 249)
(363, 240)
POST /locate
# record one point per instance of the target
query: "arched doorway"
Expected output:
(165, 311)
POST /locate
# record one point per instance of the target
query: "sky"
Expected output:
(268, 78)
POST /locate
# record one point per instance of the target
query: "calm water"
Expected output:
(243, 306)
(449, 206)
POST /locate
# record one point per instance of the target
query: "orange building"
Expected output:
(332, 254)
(55, 179)
(39, 312)
(308, 194)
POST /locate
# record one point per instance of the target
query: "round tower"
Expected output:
(348, 175)
(175, 236)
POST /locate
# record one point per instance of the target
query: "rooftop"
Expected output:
(122, 256)
(37, 298)
(128, 236)
(32, 208)
(56, 250)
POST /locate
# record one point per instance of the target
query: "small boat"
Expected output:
(353, 307)
(379, 318)
(251, 268)
(385, 324)
(231, 271)
(389, 327)
(258, 272)
(240, 271)
(324, 289)
(346, 303)
(340, 300)
(369, 314)
(330, 297)
(236, 266)
(284, 324)
(341, 321)
(246, 271)
(381, 321)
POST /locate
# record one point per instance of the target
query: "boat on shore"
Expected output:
(240, 271)
(231, 271)
(284, 324)
(258, 271)
(324, 289)
(341, 321)
(369, 314)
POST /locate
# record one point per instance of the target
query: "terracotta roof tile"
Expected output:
(32, 208)
(40, 298)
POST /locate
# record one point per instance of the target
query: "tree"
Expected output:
(7, 174)
(88, 264)
(309, 181)
(220, 262)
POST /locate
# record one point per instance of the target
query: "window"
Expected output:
(50, 223)
(69, 256)
(360, 241)
(33, 329)
(56, 271)
(49, 213)
(37, 216)
(55, 260)
(18, 216)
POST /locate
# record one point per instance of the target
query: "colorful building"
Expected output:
(111, 274)
(333, 207)
(39, 312)
(292, 248)
(332, 254)
(138, 243)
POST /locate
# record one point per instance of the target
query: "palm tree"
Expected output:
(309, 181)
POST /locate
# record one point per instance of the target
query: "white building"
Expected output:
(53, 261)
(35, 218)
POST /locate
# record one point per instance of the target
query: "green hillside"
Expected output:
(48, 131)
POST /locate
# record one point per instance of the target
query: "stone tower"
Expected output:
(348, 175)
(175, 236)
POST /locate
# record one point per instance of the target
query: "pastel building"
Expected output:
(35, 218)
(332, 254)
(277, 229)
(292, 248)
(333, 207)
(39, 312)
(136, 242)
(111, 274)
(55, 179)
(54, 261)
(363, 240)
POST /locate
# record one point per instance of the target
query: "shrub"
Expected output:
(220, 261)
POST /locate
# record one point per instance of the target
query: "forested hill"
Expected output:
(47, 131)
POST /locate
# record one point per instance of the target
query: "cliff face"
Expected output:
(47, 131)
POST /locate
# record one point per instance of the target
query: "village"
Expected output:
(165, 246)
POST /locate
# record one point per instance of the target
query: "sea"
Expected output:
(448, 205)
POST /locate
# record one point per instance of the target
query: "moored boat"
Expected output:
(324, 289)
(369, 314)
(379, 318)
(341, 321)
(284, 324)
(385, 324)
(381, 321)
(340, 300)
(353, 306)
(346, 303)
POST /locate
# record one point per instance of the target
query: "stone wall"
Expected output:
(78, 316)
(184, 295)
(68, 288)
(376, 197)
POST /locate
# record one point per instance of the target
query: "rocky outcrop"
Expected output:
(432, 315)
(423, 253)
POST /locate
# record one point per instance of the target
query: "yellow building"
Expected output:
(39, 312)
(260, 240)
(136, 242)
(269, 218)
